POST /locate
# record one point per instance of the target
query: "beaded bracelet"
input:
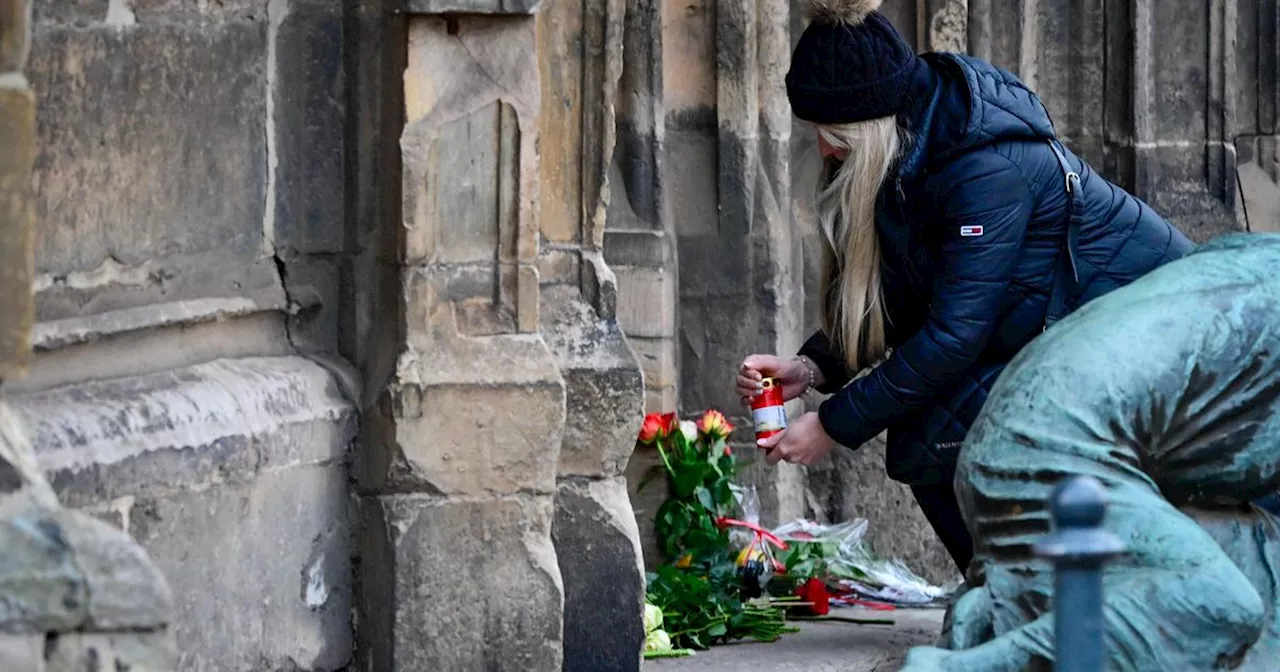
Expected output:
(812, 368)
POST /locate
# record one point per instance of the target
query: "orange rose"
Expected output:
(714, 425)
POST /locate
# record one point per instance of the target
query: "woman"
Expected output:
(958, 229)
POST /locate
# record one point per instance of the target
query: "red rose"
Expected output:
(652, 429)
(670, 423)
(814, 591)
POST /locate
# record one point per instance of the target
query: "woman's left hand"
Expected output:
(804, 442)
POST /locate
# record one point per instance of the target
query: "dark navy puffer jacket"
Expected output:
(972, 227)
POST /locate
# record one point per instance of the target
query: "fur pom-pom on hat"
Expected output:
(850, 12)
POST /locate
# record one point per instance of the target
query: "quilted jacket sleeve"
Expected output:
(983, 205)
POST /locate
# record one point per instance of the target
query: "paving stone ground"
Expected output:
(821, 647)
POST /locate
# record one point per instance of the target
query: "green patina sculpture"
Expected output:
(1168, 392)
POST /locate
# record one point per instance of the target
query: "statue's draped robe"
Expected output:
(1168, 391)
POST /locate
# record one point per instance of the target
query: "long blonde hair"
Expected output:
(853, 312)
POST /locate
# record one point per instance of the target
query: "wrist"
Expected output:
(810, 374)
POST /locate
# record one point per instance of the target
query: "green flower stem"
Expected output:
(671, 653)
(663, 454)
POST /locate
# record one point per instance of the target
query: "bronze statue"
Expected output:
(1168, 392)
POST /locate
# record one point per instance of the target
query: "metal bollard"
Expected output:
(1079, 547)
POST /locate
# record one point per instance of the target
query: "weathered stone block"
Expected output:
(466, 210)
(657, 360)
(716, 332)
(660, 401)
(42, 587)
(469, 210)
(636, 248)
(110, 652)
(646, 302)
(22, 653)
(474, 6)
(598, 547)
(309, 127)
(645, 503)
(184, 169)
(131, 12)
(460, 585)
(319, 290)
(17, 136)
(63, 571)
(470, 161)
(559, 266)
(186, 428)
(124, 588)
(276, 587)
(1173, 180)
(472, 439)
(465, 415)
(249, 452)
(603, 386)
(1259, 182)
(15, 31)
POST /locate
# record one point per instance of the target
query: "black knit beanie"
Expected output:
(850, 64)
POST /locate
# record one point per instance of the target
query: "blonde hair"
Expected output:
(853, 313)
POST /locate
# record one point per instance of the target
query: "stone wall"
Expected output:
(188, 263)
(77, 593)
(1175, 100)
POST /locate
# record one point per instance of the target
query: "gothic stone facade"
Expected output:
(347, 311)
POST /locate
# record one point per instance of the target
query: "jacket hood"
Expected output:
(959, 103)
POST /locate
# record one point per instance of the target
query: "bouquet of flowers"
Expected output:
(699, 589)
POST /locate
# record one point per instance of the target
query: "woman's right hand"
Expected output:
(792, 373)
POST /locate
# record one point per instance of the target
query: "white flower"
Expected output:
(652, 618)
(658, 640)
(689, 429)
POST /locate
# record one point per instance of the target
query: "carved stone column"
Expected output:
(580, 53)
(18, 137)
(459, 474)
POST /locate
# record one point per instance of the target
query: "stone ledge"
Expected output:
(77, 330)
(185, 428)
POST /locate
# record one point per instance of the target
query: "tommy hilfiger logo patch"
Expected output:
(970, 231)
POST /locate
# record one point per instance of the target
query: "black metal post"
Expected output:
(1079, 547)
